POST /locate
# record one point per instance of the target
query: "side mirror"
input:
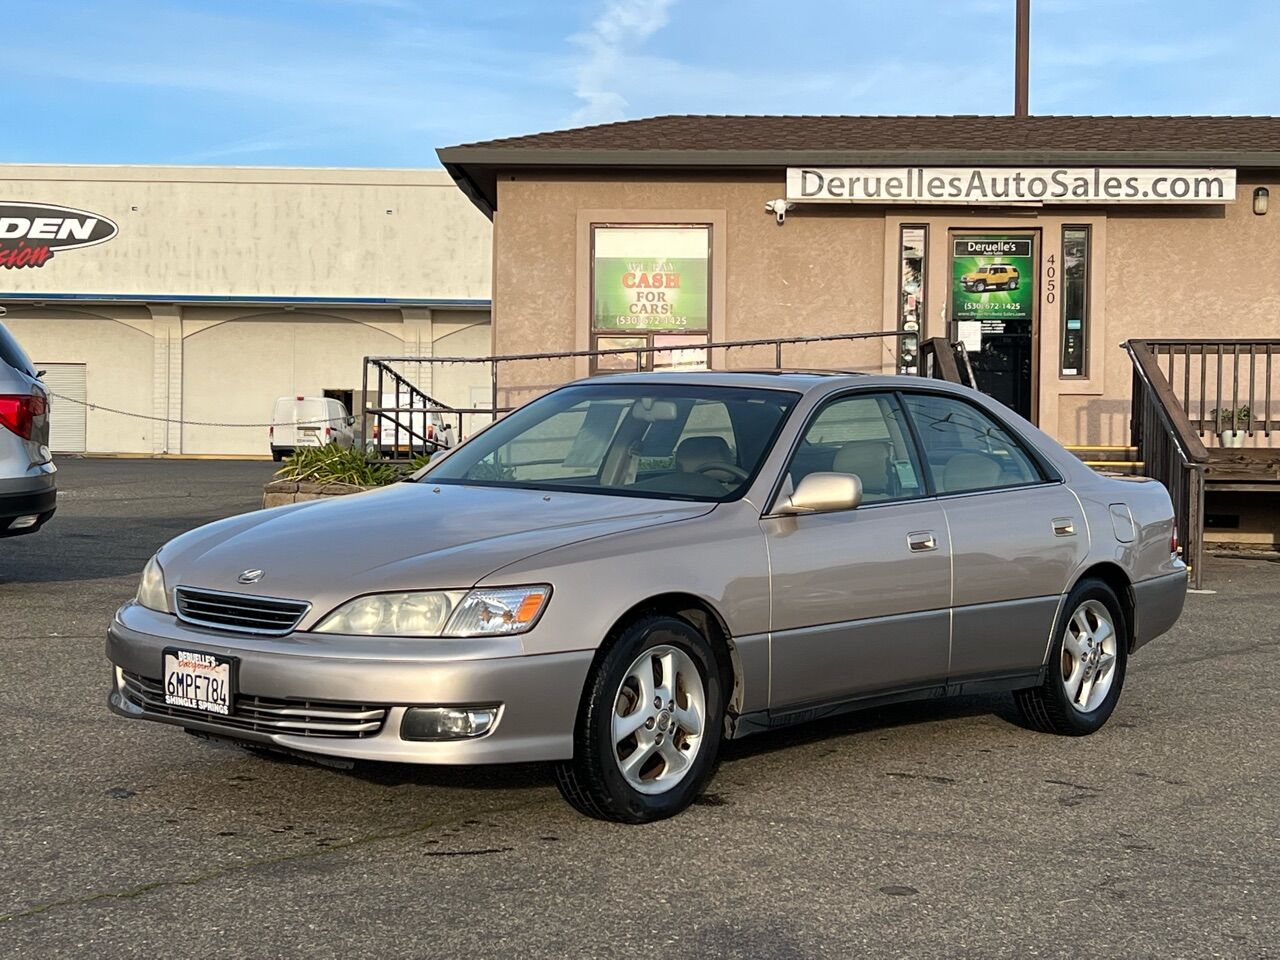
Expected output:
(824, 493)
(351, 421)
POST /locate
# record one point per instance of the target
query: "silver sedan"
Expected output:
(627, 571)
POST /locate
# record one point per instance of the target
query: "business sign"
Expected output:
(1002, 185)
(992, 279)
(31, 233)
(650, 278)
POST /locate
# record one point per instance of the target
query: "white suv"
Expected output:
(28, 492)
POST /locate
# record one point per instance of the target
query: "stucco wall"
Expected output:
(822, 273)
(1177, 271)
(258, 232)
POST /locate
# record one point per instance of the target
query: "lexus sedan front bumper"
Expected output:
(347, 697)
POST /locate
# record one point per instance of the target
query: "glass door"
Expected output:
(993, 311)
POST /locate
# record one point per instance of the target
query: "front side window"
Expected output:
(964, 449)
(865, 435)
(666, 441)
(650, 292)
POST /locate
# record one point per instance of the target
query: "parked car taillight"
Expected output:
(18, 412)
(328, 432)
(271, 433)
(1174, 546)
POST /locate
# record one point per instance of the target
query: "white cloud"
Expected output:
(620, 28)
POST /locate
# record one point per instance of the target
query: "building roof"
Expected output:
(738, 142)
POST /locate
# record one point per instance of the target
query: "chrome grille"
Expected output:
(298, 718)
(238, 611)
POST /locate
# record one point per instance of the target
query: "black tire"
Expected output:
(592, 782)
(979, 287)
(277, 455)
(1047, 706)
(1013, 285)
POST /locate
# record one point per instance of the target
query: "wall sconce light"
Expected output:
(1261, 199)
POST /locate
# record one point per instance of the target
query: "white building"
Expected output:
(221, 289)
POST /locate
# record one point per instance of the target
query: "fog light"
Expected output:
(23, 522)
(447, 723)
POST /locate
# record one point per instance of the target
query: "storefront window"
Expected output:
(650, 288)
(1075, 301)
(911, 296)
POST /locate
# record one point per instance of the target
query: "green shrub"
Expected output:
(334, 464)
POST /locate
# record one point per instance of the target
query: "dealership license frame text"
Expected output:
(976, 185)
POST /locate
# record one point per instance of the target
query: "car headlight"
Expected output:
(151, 591)
(440, 613)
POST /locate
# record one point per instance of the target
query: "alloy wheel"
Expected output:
(1088, 661)
(659, 716)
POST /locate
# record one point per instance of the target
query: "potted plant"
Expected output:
(1231, 423)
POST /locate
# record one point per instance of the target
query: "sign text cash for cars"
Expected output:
(973, 185)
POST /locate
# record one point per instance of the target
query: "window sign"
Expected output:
(651, 278)
(911, 285)
(992, 279)
(1075, 301)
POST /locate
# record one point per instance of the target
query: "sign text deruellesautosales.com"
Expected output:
(1010, 185)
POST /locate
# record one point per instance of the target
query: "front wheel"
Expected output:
(649, 725)
(1086, 668)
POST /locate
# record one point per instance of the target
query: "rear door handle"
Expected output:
(921, 541)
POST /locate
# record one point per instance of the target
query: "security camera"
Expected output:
(779, 209)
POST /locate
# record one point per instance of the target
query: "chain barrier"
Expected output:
(189, 423)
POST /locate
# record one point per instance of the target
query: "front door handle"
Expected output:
(921, 541)
(1064, 527)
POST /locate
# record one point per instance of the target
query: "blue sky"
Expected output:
(385, 82)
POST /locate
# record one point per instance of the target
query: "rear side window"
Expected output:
(13, 354)
(965, 449)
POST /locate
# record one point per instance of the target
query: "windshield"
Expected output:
(664, 441)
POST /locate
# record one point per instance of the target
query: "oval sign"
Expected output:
(31, 233)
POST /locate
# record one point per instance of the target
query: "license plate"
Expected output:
(198, 681)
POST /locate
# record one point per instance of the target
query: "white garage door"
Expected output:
(67, 419)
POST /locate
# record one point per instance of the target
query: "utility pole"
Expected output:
(1022, 59)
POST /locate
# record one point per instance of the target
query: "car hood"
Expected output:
(408, 536)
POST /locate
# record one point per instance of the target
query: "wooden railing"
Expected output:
(941, 359)
(1171, 451)
(1224, 387)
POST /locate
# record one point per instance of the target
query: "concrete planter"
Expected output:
(279, 492)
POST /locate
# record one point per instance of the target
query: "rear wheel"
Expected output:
(649, 726)
(1086, 665)
(1013, 284)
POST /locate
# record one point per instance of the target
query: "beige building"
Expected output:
(1039, 242)
(203, 294)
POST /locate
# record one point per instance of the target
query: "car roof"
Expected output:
(797, 380)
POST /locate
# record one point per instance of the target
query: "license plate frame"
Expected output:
(212, 677)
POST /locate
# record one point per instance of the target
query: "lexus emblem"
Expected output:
(250, 576)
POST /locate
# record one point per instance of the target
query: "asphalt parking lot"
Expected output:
(938, 830)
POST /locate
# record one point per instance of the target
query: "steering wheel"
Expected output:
(731, 469)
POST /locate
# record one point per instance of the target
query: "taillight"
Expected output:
(271, 433)
(431, 431)
(328, 432)
(18, 412)
(1173, 540)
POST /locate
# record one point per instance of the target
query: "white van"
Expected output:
(309, 422)
(415, 426)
